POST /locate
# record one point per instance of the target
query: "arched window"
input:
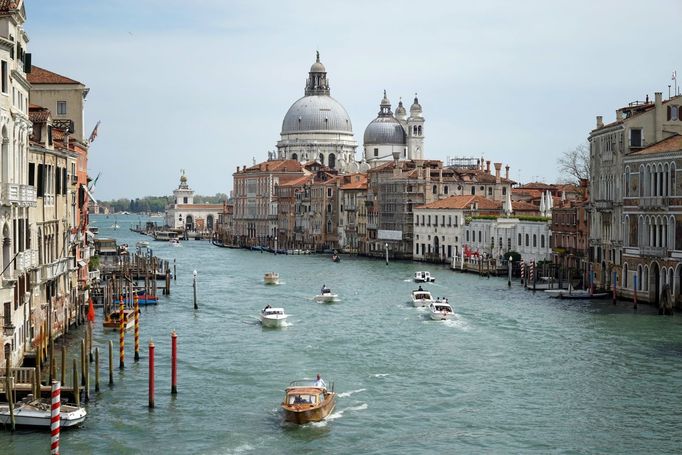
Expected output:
(672, 179)
(321, 158)
(542, 241)
(639, 277)
(445, 189)
(641, 180)
(329, 208)
(527, 240)
(666, 180)
(329, 226)
(535, 240)
(332, 161)
(435, 189)
(419, 130)
(519, 242)
(294, 156)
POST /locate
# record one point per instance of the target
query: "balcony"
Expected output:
(603, 205)
(16, 194)
(55, 269)
(653, 202)
(27, 260)
(656, 251)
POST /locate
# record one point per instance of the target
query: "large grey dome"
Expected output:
(385, 131)
(316, 113)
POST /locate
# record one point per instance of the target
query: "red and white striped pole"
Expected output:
(174, 363)
(523, 271)
(151, 374)
(121, 334)
(55, 416)
(137, 328)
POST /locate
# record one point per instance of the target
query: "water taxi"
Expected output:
(440, 310)
(326, 296)
(271, 278)
(421, 297)
(165, 236)
(307, 401)
(272, 317)
(423, 277)
(36, 413)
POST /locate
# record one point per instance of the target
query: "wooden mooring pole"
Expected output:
(97, 369)
(111, 363)
(151, 374)
(174, 363)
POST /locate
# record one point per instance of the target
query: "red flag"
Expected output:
(91, 312)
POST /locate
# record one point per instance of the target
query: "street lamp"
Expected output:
(509, 266)
(275, 244)
(194, 285)
(386, 246)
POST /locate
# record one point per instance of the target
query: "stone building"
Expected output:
(652, 219)
(636, 126)
(570, 234)
(183, 214)
(353, 212)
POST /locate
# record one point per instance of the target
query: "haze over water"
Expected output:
(515, 372)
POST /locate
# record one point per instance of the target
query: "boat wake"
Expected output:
(456, 323)
(347, 394)
(338, 414)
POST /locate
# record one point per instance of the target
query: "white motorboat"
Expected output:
(326, 296)
(271, 278)
(423, 277)
(272, 317)
(174, 242)
(440, 310)
(36, 413)
(420, 297)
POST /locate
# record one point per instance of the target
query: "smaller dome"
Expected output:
(416, 108)
(400, 112)
(318, 67)
(385, 131)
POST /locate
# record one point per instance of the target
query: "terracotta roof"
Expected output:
(38, 114)
(216, 207)
(296, 181)
(276, 166)
(671, 144)
(40, 75)
(8, 5)
(358, 182)
(463, 202)
(523, 206)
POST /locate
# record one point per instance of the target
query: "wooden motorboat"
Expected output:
(272, 317)
(111, 321)
(306, 401)
(36, 413)
(326, 296)
(271, 278)
(421, 297)
(579, 295)
(423, 277)
(440, 310)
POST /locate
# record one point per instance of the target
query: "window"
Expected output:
(435, 189)
(479, 236)
(527, 240)
(490, 191)
(673, 112)
(449, 220)
(31, 174)
(61, 107)
(535, 240)
(519, 239)
(467, 236)
(3, 66)
(542, 241)
(636, 137)
(445, 189)
(376, 152)
(473, 190)
(329, 192)
(184, 200)
(504, 191)
(422, 220)
(428, 222)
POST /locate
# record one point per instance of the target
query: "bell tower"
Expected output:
(415, 131)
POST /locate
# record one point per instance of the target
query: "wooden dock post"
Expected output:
(194, 285)
(63, 369)
(97, 369)
(76, 389)
(111, 363)
(82, 361)
(121, 335)
(634, 307)
(168, 281)
(137, 327)
(8, 386)
(151, 374)
(174, 363)
(175, 272)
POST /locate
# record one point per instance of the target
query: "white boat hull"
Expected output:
(32, 416)
(273, 321)
(418, 303)
(440, 316)
(326, 298)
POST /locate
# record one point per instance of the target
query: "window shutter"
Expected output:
(669, 113)
(64, 180)
(58, 182)
(27, 63)
(31, 174)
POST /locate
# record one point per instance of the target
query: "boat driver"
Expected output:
(319, 382)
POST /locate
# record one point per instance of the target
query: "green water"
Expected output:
(513, 373)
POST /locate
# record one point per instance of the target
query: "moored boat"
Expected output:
(307, 401)
(111, 322)
(36, 413)
(165, 236)
(440, 310)
(577, 294)
(272, 317)
(423, 277)
(271, 278)
(421, 297)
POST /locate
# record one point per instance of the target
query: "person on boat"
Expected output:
(324, 289)
(319, 382)
(420, 288)
(267, 307)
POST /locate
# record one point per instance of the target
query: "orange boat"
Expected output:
(111, 321)
(307, 401)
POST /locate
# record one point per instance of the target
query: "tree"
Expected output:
(574, 165)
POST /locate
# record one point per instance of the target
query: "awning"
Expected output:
(92, 198)
(81, 263)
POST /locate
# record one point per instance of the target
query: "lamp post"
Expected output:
(275, 244)
(509, 266)
(386, 246)
(194, 285)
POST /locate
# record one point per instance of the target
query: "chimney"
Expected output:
(498, 168)
(600, 121)
(619, 115)
(396, 161)
(440, 175)
(487, 167)
(659, 116)
(506, 172)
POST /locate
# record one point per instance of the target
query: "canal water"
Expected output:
(515, 372)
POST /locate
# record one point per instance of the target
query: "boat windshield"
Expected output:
(422, 296)
(443, 308)
(301, 398)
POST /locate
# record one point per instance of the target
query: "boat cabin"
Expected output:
(443, 308)
(273, 311)
(422, 295)
(423, 277)
(165, 235)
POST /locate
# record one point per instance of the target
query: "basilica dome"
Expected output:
(385, 129)
(316, 113)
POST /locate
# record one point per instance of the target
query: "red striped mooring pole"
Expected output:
(174, 363)
(151, 374)
(523, 271)
(55, 416)
(137, 328)
(121, 335)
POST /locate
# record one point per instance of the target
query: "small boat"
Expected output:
(142, 244)
(307, 401)
(326, 296)
(165, 236)
(111, 321)
(271, 278)
(142, 299)
(174, 242)
(423, 277)
(577, 294)
(421, 297)
(272, 317)
(36, 413)
(336, 258)
(440, 310)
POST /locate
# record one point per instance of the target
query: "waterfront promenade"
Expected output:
(514, 373)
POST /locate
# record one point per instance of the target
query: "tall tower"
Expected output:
(317, 83)
(415, 132)
(183, 194)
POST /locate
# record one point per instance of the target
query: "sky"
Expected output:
(204, 85)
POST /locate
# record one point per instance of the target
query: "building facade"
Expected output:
(184, 215)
